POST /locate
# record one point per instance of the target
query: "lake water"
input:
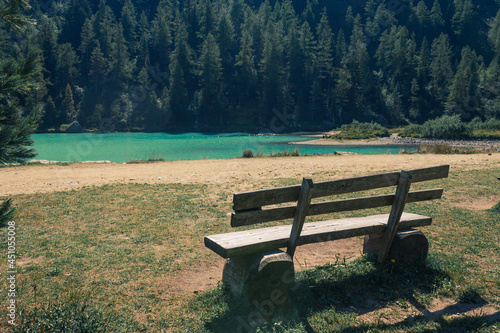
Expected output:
(123, 147)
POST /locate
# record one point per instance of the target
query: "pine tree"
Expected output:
(324, 66)
(66, 65)
(98, 70)
(162, 34)
(271, 69)
(422, 13)
(50, 114)
(68, 105)
(77, 14)
(382, 19)
(324, 51)
(246, 74)
(120, 64)
(207, 19)
(494, 35)
(47, 40)
(12, 14)
(464, 95)
(87, 45)
(308, 45)
(440, 68)
(340, 48)
(182, 83)
(357, 62)
(463, 18)
(349, 21)
(15, 78)
(227, 45)
(15, 131)
(129, 22)
(210, 75)
(105, 26)
(178, 98)
(143, 47)
(436, 16)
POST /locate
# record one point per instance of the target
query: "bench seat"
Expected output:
(271, 238)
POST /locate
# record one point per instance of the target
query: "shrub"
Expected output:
(489, 129)
(248, 153)
(357, 130)
(412, 131)
(445, 127)
(286, 152)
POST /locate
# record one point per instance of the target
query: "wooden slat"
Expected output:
(265, 239)
(301, 212)
(249, 200)
(282, 213)
(397, 210)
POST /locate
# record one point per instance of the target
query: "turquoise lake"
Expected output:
(123, 147)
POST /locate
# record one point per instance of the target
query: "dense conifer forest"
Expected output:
(250, 65)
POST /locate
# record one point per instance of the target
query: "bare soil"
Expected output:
(239, 174)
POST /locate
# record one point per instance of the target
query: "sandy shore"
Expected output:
(237, 174)
(398, 141)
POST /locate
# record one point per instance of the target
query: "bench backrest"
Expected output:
(249, 206)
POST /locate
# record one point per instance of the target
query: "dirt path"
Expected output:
(238, 173)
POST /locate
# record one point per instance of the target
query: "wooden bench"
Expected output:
(250, 251)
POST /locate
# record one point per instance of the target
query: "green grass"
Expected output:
(115, 253)
(286, 153)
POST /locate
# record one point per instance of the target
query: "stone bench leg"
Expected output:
(263, 278)
(409, 246)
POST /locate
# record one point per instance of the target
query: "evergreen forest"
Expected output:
(251, 65)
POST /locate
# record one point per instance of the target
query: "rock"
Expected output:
(409, 246)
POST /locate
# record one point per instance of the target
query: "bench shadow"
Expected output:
(349, 291)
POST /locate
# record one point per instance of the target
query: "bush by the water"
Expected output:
(445, 127)
(248, 153)
(452, 127)
(286, 152)
(357, 130)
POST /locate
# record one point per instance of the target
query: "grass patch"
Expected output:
(116, 253)
(496, 208)
(249, 153)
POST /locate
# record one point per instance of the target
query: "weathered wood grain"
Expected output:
(266, 239)
(256, 199)
(301, 212)
(282, 213)
(398, 206)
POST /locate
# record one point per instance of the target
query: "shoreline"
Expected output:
(398, 141)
